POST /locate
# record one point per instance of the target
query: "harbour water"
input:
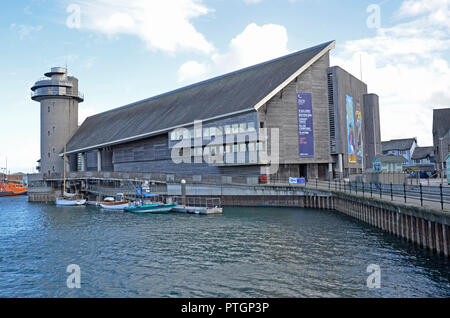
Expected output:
(246, 252)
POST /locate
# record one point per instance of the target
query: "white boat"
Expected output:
(115, 205)
(70, 202)
(118, 203)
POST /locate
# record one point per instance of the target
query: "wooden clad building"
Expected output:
(228, 117)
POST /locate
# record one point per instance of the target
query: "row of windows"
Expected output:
(219, 150)
(213, 131)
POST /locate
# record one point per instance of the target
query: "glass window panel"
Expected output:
(242, 127)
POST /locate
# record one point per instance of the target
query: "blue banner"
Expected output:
(305, 125)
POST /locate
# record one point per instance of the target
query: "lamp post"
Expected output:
(183, 191)
(442, 159)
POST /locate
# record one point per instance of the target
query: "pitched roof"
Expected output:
(441, 121)
(398, 144)
(236, 92)
(422, 153)
(392, 159)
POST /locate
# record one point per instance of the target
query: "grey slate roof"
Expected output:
(441, 121)
(235, 92)
(422, 153)
(398, 144)
(392, 159)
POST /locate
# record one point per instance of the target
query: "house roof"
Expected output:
(422, 153)
(398, 144)
(441, 121)
(391, 159)
(237, 92)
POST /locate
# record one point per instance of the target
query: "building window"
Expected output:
(251, 126)
(198, 151)
(172, 136)
(227, 129)
(212, 131)
(261, 125)
(48, 110)
(242, 148)
(48, 132)
(235, 128)
(206, 132)
(49, 154)
(242, 127)
(54, 150)
(54, 129)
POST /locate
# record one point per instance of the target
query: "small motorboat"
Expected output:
(119, 203)
(154, 208)
(74, 201)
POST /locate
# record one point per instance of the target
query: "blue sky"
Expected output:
(126, 50)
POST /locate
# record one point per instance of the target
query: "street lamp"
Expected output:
(442, 159)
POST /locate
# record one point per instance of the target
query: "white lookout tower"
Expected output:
(59, 98)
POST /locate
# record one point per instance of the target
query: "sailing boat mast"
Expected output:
(64, 186)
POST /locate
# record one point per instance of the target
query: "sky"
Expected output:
(123, 51)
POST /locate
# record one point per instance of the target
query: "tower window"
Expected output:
(49, 109)
(49, 154)
(54, 129)
(54, 150)
(48, 132)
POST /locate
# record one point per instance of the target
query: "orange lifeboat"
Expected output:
(11, 189)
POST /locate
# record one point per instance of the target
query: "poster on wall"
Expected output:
(359, 140)
(350, 130)
(305, 125)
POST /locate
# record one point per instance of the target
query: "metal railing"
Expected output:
(56, 93)
(436, 197)
(197, 201)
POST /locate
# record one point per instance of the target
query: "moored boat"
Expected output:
(115, 205)
(12, 189)
(76, 201)
(118, 203)
(154, 208)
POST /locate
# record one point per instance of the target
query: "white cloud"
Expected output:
(161, 25)
(252, 1)
(25, 31)
(406, 65)
(254, 45)
(192, 70)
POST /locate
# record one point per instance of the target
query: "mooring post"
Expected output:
(392, 195)
(421, 197)
(371, 190)
(442, 199)
(363, 190)
(404, 191)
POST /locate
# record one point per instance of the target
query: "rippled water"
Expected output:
(247, 252)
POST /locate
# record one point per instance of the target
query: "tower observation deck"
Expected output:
(59, 97)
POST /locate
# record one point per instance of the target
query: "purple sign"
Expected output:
(305, 125)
